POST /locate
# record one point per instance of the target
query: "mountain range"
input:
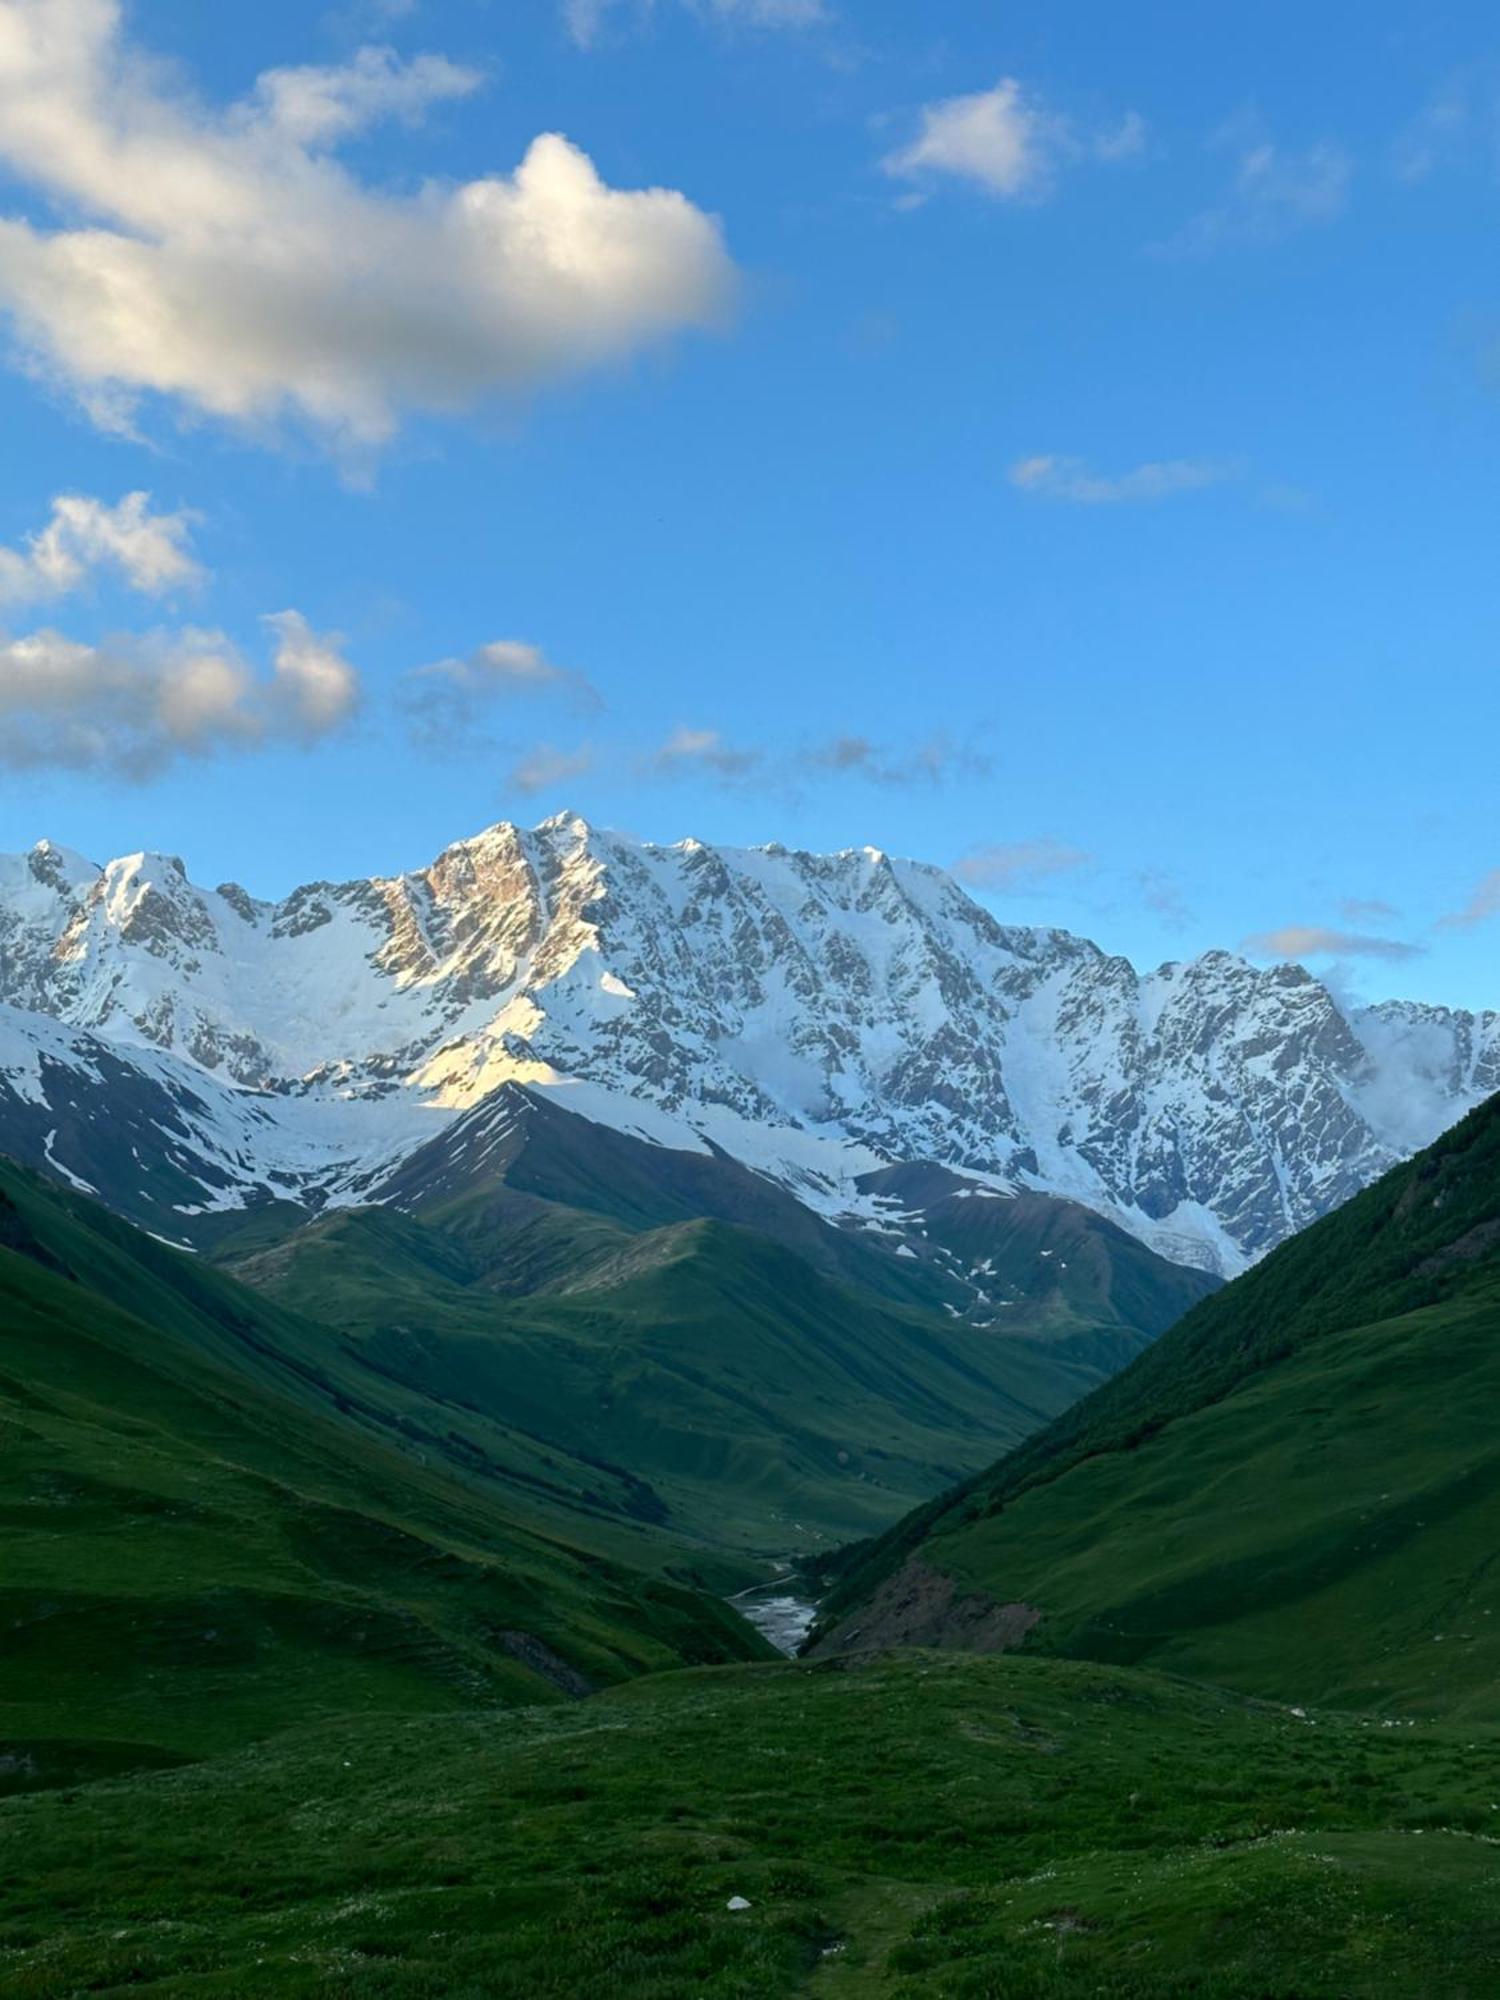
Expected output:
(827, 1021)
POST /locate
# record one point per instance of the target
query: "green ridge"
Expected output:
(1297, 1490)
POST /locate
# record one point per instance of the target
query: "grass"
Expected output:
(1297, 1490)
(760, 1405)
(195, 1556)
(930, 1825)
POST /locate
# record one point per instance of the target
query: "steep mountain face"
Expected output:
(819, 1018)
(1294, 1492)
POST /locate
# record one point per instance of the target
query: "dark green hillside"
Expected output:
(195, 1552)
(763, 1405)
(770, 1382)
(922, 1829)
(1296, 1491)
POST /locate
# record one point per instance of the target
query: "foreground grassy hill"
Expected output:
(206, 1536)
(1295, 1492)
(934, 1826)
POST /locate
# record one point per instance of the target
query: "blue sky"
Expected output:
(1057, 441)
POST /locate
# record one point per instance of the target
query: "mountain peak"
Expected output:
(815, 1016)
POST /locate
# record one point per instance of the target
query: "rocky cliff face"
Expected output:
(817, 1016)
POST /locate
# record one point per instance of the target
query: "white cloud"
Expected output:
(1480, 908)
(225, 260)
(586, 19)
(1074, 480)
(1018, 863)
(445, 703)
(1297, 941)
(545, 767)
(135, 704)
(1007, 142)
(149, 551)
(317, 106)
(1275, 191)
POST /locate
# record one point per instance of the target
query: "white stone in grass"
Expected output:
(737, 1903)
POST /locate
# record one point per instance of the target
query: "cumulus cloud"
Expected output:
(1007, 142)
(1297, 941)
(546, 767)
(225, 260)
(148, 551)
(1481, 906)
(1018, 864)
(134, 705)
(1074, 480)
(585, 19)
(446, 703)
(1274, 191)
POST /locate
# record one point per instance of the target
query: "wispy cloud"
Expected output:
(1297, 941)
(546, 767)
(585, 20)
(1480, 908)
(1367, 910)
(1018, 864)
(447, 703)
(225, 260)
(708, 753)
(1054, 477)
(1457, 126)
(150, 552)
(704, 751)
(133, 705)
(1163, 897)
(933, 762)
(1007, 142)
(1274, 191)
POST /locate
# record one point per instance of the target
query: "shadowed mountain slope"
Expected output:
(208, 1537)
(1296, 1491)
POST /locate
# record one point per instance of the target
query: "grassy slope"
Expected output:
(931, 1826)
(763, 1403)
(1298, 1489)
(193, 1554)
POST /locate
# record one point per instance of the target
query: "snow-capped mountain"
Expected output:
(817, 1017)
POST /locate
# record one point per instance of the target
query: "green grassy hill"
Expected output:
(930, 1828)
(206, 1536)
(1295, 1492)
(763, 1405)
(771, 1383)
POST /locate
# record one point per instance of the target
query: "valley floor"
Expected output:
(926, 1825)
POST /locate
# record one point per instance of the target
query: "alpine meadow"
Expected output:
(749, 1022)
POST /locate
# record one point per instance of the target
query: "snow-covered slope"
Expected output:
(816, 1016)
